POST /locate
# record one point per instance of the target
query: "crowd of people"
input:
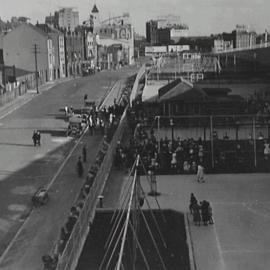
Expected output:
(164, 156)
(185, 156)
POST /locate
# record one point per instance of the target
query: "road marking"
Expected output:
(219, 249)
(246, 251)
(61, 140)
(17, 207)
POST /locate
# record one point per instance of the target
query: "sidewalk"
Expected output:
(28, 96)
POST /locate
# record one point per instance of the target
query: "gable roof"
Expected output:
(31, 26)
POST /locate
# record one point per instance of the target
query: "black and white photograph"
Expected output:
(134, 135)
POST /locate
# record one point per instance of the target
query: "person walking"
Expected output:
(80, 167)
(38, 136)
(34, 137)
(200, 174)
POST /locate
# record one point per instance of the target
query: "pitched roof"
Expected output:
(29, 25)
(95, 9)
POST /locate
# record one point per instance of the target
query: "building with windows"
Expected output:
(151, 32)
(58, 50)
(243, 37)
(68, 18)
(113, 36)
(165, 30)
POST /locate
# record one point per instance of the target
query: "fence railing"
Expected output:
(11, 94)
(70, 255)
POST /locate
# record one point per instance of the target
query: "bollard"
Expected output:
(100, 199)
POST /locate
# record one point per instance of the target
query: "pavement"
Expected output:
(24, 168)
(239, 238)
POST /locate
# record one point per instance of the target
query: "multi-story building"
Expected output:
(221, 45)
(243, 38)
(58, 50)
(68, 19)
(152, 32)
(23, 44)
(74, 46)
(164, 36)
(53, 20)
(112, 32)
(165, 30)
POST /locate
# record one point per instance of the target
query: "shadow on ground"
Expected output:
(175, 256)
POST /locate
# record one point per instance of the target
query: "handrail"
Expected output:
(70, 255)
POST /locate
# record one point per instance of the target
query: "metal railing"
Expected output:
(71, 253)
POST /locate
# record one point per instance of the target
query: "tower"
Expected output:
(96, 19)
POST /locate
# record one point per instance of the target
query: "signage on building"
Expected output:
(178, 48)
(150, 50)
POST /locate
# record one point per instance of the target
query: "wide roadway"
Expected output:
(24, 168)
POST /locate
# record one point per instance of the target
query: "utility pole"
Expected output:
(36, 68)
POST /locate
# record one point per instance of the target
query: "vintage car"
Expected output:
(76, 125)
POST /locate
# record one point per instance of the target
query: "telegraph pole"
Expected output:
(36, 68)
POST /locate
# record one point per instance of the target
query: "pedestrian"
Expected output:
(34, 137)
(80, 167)
(38, 136)
(91, 125)
(84, 99)
(210, 214)
(204, 211)
(66, 111)
(193, 201)
(196, 214)
(84, 153)
(200, 174)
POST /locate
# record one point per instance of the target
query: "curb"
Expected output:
(17, 103)
(192, 261)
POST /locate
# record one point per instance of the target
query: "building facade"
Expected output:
(68, 19)
(57, 50)
(19, 50)
(151, 32)
(112, 33)
(243, 38)
(74, 49)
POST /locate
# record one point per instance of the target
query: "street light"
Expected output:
(172, 125)
(237, 123)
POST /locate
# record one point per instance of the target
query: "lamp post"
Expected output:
(172, 125)
(237, 123)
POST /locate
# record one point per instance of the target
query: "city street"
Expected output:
(24, 168)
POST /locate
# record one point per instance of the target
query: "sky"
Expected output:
(204, 17)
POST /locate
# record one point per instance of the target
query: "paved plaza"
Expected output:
(240, 237)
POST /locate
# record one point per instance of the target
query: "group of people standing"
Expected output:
(201, 212)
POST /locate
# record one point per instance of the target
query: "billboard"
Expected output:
(151, 50)
(178, 48)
